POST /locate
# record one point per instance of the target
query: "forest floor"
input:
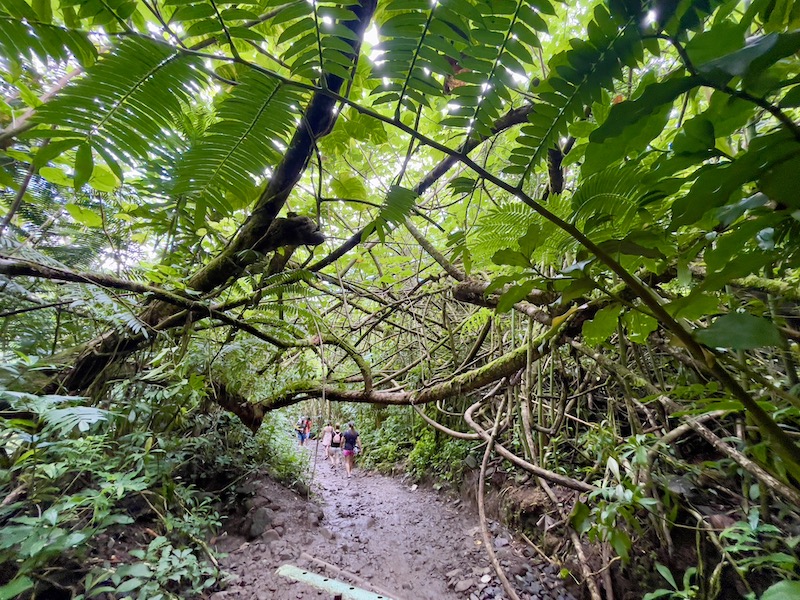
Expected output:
(375, 533)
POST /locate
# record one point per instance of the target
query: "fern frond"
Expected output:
(499, 228)
(204, 18)
(269, 284)
(255, 122)
(125, 107)
(497, 62)
(577, 78)
(31, 38)
(315, 37)
(420, 39)
(607, 203)
(396, 207)
(502, 227)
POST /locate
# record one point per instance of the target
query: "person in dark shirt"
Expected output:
(351, 446)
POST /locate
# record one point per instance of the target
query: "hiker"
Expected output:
(302, 427)
(335, 449)
(327, 433)
(307, 431)
(352, 445)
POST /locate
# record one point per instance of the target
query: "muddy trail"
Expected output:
(369, 533)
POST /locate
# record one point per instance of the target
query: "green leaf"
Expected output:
(85, 216)
(56, 176)
(15, 588)
(602, 326)
(511, 258)
(740, 331)
(103, 180)
(129, 585)
(84, 165)
(697, 135)
(127, 101)
(253, 124)
(721, 39)
(621, 542)
(783, 590)
(755, 57)
(580, 518)
(204, 27)
(666, 574)
(639, 326)
(694, 306)
(780, 182)
(398, 204)
(653, 98)
(349, 187)
(513, 295)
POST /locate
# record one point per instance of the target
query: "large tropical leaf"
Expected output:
(44, 41)
(254, 125)
(315, 38)
(577, 78)
(125, 107)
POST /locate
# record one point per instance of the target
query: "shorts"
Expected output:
(335, 449)
(301, 437)
(349, 452)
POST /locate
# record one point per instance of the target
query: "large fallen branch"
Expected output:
(197, 309)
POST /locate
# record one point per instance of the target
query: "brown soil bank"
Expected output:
(376, 533)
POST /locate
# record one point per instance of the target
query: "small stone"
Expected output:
(500, 542)
(246, 488)
(261, 519)
(279, 520)
(486, 579)
(464, 585)
(270, 536)
(219, 595)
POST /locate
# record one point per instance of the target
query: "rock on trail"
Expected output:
(375, 533)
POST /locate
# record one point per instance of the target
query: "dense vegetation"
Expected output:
(563, 235)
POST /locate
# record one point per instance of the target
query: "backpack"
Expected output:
(337, 438)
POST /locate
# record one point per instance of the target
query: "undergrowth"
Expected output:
(399, 440)
(118, 498)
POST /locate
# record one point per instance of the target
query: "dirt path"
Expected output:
(376, 533)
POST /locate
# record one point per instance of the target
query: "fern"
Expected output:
(315, 37)
(421, 39)
(577, 78)
(606, 204)
(397, 206)
(502, 227)
(126, 105)
(206, 18)
(280, 280)
(31, 38)
(478, 51)
(498, 228)
(255, 122)
(497, 62)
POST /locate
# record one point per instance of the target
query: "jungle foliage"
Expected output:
(566, 233)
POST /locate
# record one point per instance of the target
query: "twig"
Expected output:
(15, 493)
(487, 540)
